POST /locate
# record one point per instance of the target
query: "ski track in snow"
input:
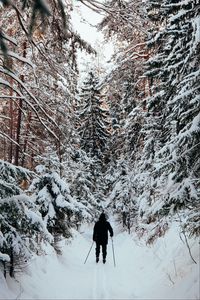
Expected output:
(76, 280)
(107, 281)
(100, 287)
(94, 286)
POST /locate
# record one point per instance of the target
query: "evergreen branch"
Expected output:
(186, 240)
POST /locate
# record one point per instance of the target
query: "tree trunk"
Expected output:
(11, 263)
(19, 120)
(4, 269)
(60, 155)
(11, 126)
(19, 117)
(26, 138)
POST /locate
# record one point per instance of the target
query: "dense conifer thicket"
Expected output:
(128, 142)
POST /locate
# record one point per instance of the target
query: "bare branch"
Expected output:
(33, 97)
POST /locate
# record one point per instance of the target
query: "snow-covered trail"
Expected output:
(67, 277)
(164, 271)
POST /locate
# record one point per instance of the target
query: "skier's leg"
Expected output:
(104, 249)
(97, 251)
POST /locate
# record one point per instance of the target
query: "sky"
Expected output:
(84, 21)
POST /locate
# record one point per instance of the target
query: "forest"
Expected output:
(125, 141)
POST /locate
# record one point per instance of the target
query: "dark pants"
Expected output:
(104, 249)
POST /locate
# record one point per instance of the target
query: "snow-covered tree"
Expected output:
(122, 198)
(174, 107)
(12, 179)
(94, 127)
(156, 118)
(82, 186)
(21, 231)
(94, 119)
(39, 85)
(55, 203)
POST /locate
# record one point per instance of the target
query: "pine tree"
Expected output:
(122, 198)
(82, 186)
(21, 232)
(55, 203)
(174, 107)
(12, 179)
(94, 132)
(94, 119)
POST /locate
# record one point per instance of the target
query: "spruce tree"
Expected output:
(174, 108)
(94, 119)
(82, 186)
(12, 179)
(94, 132)
(22, 231)
(55, 203)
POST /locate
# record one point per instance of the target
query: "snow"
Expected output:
(5, 292)
(34, 218)
(4, 257)
(162, 271)
(196, 24)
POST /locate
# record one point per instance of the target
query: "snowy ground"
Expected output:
(164, 271)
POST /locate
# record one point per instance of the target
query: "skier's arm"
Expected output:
(110, 229)
(94, 233)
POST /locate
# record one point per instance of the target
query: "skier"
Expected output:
(100, 236)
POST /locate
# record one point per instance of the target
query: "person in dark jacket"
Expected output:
(100, 236)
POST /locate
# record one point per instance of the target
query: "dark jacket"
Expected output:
(101, 228)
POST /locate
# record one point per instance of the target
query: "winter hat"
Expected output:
(102, 217)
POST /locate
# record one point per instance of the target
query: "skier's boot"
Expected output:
(97, 259)
(104, 260)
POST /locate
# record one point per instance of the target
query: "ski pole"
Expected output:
(89, 252)
(113, 253)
